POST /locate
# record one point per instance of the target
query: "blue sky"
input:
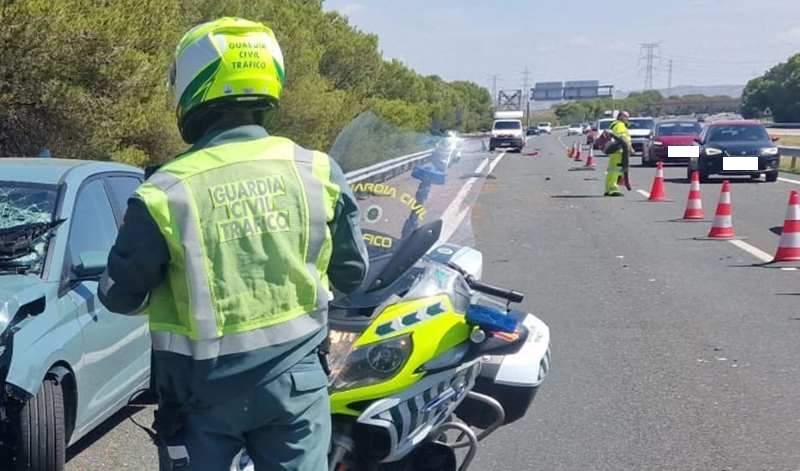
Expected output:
(709, 41)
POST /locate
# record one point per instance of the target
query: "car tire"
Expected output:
(772, 176)
(41, 431)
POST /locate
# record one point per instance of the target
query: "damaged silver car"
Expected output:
(66, 363)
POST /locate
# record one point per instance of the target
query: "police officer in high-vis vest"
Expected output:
(618, 160)
(231, 250)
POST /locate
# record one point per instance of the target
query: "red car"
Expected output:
(670, 133)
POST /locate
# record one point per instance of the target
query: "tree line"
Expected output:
(777, 92)
(648, 103)
(87, 78)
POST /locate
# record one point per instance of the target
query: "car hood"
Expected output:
(680, 140)
(741, 147)
(15, 292)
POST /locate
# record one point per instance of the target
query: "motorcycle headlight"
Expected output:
(374, 363)
(769, 151)
(341, 343)
(711, 151)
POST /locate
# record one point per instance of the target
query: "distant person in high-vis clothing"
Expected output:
(230, 249)
(617, 164)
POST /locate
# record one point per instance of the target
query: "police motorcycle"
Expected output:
(425, 359)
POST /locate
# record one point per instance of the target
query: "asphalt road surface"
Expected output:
(668, 352)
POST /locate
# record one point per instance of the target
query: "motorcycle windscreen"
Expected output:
(404, 179)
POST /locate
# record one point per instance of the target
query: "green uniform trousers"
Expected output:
(614, 173)
(284, 424)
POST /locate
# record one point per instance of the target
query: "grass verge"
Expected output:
(786, 165)
(789, 141)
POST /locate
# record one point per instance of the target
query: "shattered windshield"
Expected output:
(26, 217)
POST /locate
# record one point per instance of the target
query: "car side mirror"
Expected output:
(91, 265)
(775, 138)
(698, 140)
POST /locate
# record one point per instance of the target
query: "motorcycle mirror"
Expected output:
(411, 249)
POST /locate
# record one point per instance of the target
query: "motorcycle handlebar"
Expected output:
(486, 288)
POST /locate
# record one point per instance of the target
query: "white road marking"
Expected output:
(752, 250)
(452, 219)
(789, 180)
(562, 143)
(644, 193)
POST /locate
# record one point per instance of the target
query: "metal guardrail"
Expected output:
(389, 168)
(782, 125)
(794, 153)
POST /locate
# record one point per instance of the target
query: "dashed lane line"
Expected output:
(752, 250)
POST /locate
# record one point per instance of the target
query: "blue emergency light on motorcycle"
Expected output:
(490, 319)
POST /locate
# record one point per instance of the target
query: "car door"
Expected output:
(115, 347)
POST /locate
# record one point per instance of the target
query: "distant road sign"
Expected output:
(572, 90)
(547, 91)
(585, 89)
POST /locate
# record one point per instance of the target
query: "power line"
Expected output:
(525, 80)
(494, 78)
(649, 50)
(669, 81)
(526, 91)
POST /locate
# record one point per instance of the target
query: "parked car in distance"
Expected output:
(737, 147)
(574, 130)
(66, 363)
(545, 128)
(532, 131)
(670, 133)
(641, 130)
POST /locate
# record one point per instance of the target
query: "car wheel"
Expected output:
(772, 176)
(41, 434)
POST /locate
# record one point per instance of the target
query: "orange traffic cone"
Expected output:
(578, 157)
(722, 227)
(590, 158)
(571, 152)
(789, 245)
(657, 192)
(694, 205)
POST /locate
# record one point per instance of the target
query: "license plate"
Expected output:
(739, 163)
(683, 152)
